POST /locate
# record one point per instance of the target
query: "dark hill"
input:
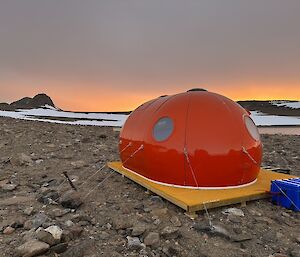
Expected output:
(39, 100)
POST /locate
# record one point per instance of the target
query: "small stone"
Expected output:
(156, 199)
(138, 230)
(45, 236)
(215, 230)
(279, 255)
(152, 239)
(170, 232)
(71, 200)
(175, 221)
(59, 248)
(69, 223)
(21, 159)
(56, 232)
(28, 225)
(156, 222)
(72, 233)
(134, 243)
(58, 212)
(32, 248)
(8, 187)
(255, 213)
(8, 230)
(234, 211)
(78, 164)
(39, 161)
(28, 211)
(122, 224)
(39, 219)
(285, 214)
(298, 239)
(103, 235)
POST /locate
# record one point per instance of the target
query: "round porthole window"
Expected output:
(252, 129)
(163, 129)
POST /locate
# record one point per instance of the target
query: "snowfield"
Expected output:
(261, 119)
(293, 105)
(50, 114)
(53, 115)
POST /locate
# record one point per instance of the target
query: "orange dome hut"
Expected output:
(195, 139)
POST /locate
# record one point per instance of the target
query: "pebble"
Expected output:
(45, 236)
(170, 232)
(134, 243)
(78, 164)
(71, 200)
(138, 230)
(8, 187)
(234, 211)
(8, 230)
(39, 219)
(69, 223)
(28, 211)
(152, 239)
(56, 232)
(175, 221)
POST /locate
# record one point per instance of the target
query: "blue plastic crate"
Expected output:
(286, 193)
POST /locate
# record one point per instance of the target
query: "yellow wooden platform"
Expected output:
(193, 200)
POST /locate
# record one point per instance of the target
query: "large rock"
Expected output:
(32, 248)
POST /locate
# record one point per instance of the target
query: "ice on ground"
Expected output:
(293, 105)
(261, 119)
(92, 119)
(117, 120)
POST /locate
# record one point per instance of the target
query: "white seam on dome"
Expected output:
(191, 187)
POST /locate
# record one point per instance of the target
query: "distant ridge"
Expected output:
(40, 100)
(273, 107)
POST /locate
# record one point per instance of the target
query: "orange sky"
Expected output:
(80, 98)
(114, 55)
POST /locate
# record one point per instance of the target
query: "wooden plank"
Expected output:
(193, 200)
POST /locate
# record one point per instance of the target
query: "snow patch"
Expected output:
(261, 119)
(88, 119)
(289, 104)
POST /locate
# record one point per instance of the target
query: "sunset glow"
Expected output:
(115, 55)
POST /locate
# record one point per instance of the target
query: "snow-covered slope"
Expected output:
(289, 104)
(50, 114)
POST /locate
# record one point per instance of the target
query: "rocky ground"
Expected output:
(41, 215)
